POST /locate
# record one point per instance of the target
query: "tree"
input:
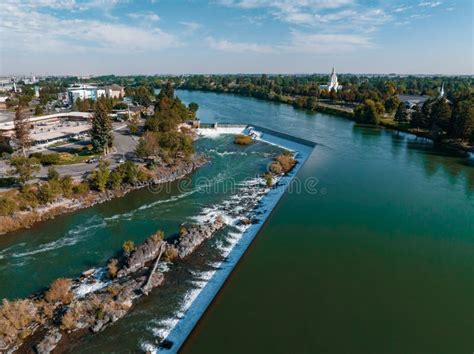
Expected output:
(368, 112)
(101, 133)
(39, 110)
(418, 119)
(115, 179)
(100, 176)
(463, 125)
(133, 124)
(193, 107)
(401, 116)
(25, 168)
(128, 246)
(166, 91)
(53, 174)
(392, 103)
(22, 131)
(440, 117)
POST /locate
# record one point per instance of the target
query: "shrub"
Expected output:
(170, 254)
(158, 236)
(81, 189)
(68, 321)
(241, 139)
(113, 290)
(7, 206)
(60, 291)
(28, 198)
(112, 268)
(128, 246)
(100, 176)
(276, 168)
(53, 174)
(287, 162)
(268, 179)
(47, 159)
(67, 185)
(115, 179)
(48, 192)
(15, 318)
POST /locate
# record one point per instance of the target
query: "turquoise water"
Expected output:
(379, 260)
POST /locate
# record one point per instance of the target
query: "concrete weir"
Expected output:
(302, 149)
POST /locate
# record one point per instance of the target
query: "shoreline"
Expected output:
(135, 279)
(26, 220)
(453, 147)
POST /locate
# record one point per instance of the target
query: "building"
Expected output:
(83, 92)
(411, 101)
(333, 84)
(114, 91)
(52, 127)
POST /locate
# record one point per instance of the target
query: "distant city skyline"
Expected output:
(98, 37)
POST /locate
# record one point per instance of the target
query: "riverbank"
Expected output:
(163, 174)
(346, 112)
(129, 277)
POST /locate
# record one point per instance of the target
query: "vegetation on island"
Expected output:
(241, 139)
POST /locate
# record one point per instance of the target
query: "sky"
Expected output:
(122, 37)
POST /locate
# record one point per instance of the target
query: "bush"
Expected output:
(8, 206)
(53, 174)
(128, 246)
(28, 198)
(112, 268)
(158, 236)
(115, 179)
(60, 291)
(47, 159)
(81, 189)
(276, 168)
(287, 162)
(15, 318)
(48, 192)
(268, 179)
(170, 254)
(67, 186)
(241, 139)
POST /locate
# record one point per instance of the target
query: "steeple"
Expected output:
(441, 91)
(333, 84)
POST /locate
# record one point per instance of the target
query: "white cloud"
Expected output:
(190, 27)
(300, 42)
(402, 8)
(430, 3)
(238, 47)
(147, 16)
(34, 31)
(318, 43)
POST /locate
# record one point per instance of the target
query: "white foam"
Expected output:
(198, 300)
(215, 132)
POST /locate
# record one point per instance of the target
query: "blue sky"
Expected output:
(235, 36)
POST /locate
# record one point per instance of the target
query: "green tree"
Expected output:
(39, 110)
(193, 107)
(53, 174)
(401, 116)
(101, 133)
(391, 104)
(116, 179)
(440, 117)
(22, 131)
(418, 119)
(463, 125)
(25, 168)
(100, 176)
(368, 112)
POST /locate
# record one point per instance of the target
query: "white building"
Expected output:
(333, 84)
(83, 92)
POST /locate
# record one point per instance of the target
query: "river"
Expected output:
(379, 260)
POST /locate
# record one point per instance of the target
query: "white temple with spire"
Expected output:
(333, 84)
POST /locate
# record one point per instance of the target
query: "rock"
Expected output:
(196, 235)
(49, 342)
